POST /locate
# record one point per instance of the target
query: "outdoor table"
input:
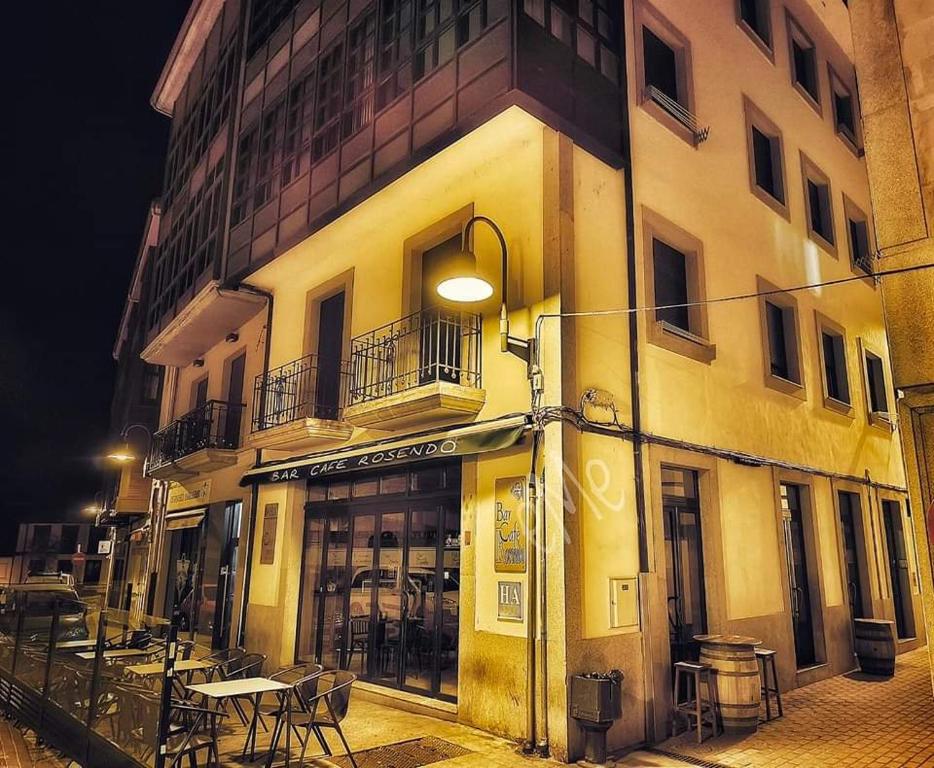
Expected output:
(157, 667)
(736, 679)
(66, 645)
(255, 687)
(119, 653)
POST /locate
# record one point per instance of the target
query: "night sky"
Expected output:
(83, 156)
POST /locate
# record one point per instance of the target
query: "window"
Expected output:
(832, 340)
(673, 262)
(780, 340)
(877, 399)
(766, 160)
(857, 233)
(593, 33)
(818, 204)
(265, 17)
(297, 135)
(268, 155)
(243, 183)
(663, 68)
(844, 110)
(434, 35)
(395, 73)
(361, 64)
(69, 540)
(803, 57)
(40, 537)
(753, 17)
(328, 103)
(152, 383)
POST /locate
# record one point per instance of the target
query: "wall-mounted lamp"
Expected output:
(198, 363)
(467, 285)
(232, 338)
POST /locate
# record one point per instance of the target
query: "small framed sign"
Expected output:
(267, 554)
(509, 540)
(103, 547)
(509, 603)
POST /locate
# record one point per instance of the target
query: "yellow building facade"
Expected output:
(714, 453)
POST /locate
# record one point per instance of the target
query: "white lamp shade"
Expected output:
(465, 289)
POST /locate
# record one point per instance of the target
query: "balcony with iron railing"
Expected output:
(299, 404)
(204, 439)
(425, 367)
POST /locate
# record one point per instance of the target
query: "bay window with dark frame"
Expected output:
(328, 102)
(394, 59)
(361, 75)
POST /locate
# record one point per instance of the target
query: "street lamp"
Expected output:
(467, 285)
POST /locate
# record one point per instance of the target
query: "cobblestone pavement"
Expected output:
(848, 720)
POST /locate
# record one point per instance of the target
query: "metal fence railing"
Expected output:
(433, 345)
(305, 388)
(63, 674)
(216, 424)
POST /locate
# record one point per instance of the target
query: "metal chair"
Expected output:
(327, 709)
(303, 691)
(240, 668)
(359, 639)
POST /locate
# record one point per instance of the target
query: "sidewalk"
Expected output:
(849, 720)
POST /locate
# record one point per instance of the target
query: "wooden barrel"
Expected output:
(736, 684)
(875, 646)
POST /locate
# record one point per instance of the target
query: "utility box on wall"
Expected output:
(624, 603)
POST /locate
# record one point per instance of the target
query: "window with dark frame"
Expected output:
(299, 115)
(783, 342)
(244, 178)
(860, 251)
(755, 16)
(804, 62)
(592, 32)
(328, 102)
(767, 162)
(360, 79)
(835, 376)
(670, 269)
(660, 65)
(875, 383)
(844, 111)
(265, 18)
(818, 203)
(395, 50)
(268, 155)
(151, 384)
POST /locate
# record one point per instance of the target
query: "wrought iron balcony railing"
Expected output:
(215, 424)
(433, 345)
(305, 388)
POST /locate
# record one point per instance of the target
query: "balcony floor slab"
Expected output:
(301, 434)
(432, 403)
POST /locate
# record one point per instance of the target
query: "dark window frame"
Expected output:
(764, 12)
(834, 365)
(801, 81)
(791, 380)
(756, 120)
(818, 190)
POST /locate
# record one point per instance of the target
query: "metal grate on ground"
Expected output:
(404, 754)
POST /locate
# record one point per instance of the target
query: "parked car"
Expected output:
(50, 577)
(185, 614)
(38, 601)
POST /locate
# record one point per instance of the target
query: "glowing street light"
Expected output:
(468, 286)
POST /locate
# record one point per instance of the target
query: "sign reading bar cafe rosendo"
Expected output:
(381, 456)
(509, 542)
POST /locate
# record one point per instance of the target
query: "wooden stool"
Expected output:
(766, 659)
(693, 706)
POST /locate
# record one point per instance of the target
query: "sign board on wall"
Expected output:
(270, 523)
(509, 600)
(510, 551)
(189, 494)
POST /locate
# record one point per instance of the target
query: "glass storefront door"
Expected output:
(387, 606)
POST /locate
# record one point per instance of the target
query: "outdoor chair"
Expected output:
(247, 665)
(295, 675)
(224, 658)
(320, 709)
(359, 639)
